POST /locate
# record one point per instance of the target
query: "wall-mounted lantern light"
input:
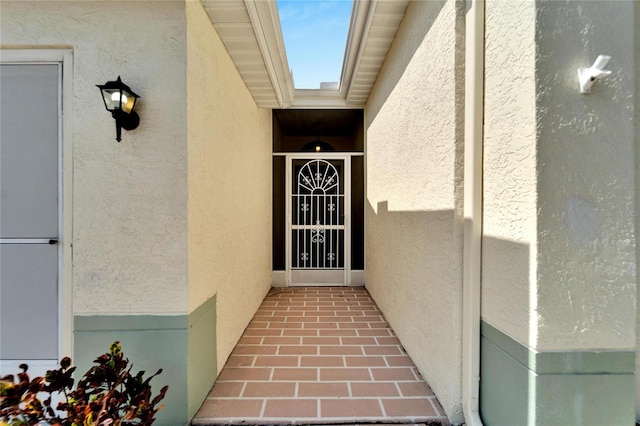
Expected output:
(120, 100)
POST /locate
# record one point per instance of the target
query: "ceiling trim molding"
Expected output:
(318, 98)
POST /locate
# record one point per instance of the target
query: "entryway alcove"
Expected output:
(318, 197)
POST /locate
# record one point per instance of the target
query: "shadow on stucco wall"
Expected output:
(506, 302)
(504, 379)
(413, 275)
(412, 262)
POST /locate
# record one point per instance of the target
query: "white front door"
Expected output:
(30, 113)
(318, 205)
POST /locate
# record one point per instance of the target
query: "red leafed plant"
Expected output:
(107, 395)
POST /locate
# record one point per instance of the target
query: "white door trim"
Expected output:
(346, 158)
(64, 58)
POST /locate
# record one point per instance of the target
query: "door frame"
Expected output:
(346, 158)
(64, 59)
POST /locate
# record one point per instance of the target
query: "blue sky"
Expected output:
(315, 35)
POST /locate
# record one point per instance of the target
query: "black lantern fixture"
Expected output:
(120, 100)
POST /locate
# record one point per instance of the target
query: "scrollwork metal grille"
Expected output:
(317, 217)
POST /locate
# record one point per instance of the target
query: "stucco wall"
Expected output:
(558, 248)
(586, 283)
(229, 183)
(129, 216)
(509, 186)
(413, 229)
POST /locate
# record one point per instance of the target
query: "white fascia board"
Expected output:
(361, 17)
(314, 98)
(266, 26)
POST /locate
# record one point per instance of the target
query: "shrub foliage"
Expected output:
(107, 395)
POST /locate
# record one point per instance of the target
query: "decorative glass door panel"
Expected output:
(318, 216)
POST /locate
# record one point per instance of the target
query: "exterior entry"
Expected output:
(30, 146)
(318, 197)
(318, 221)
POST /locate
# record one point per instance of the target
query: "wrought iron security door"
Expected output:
(318, 217)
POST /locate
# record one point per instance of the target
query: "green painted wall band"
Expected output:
(184, 346)
(142, 322)
(202, 310)
(520, 386)
(567, 362)
(100, 323)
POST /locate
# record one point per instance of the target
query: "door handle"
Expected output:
(53, 242)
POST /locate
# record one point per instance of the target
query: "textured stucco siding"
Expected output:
(586, 274)
(509, 181)
(229, 152)
(558, 247)
(129, 198)
(413, 229)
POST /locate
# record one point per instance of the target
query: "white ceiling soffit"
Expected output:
(373, 27)
(250, 30)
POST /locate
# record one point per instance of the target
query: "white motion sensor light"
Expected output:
(587, 76)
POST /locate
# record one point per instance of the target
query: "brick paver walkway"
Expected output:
(314, 355)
